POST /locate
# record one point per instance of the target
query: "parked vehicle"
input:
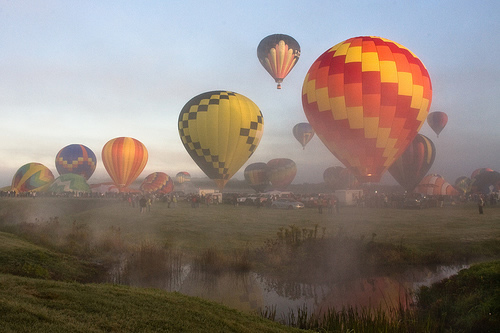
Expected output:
(248, 201)
(414, 200)
(284, 203)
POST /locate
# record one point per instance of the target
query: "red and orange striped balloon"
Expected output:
(124, 159)
(366, 98)
(157, 182)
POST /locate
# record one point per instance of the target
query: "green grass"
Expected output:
(466, 302)
(456, 232)
(60, 239)
(23, 258)
(33, 305)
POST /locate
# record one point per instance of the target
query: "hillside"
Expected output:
(32, 301)
(34, 305)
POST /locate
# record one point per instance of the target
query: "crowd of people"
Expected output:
(327, 202)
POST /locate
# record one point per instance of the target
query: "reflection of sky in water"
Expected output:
(429, 276)
(253, 292)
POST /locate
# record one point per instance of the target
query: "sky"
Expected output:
(89, 71)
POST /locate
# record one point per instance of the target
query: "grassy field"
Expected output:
(228, 228)
(67, 230)
(33, 305)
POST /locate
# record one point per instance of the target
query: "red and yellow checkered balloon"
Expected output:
(366, 98)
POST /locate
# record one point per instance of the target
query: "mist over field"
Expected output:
(251, 258)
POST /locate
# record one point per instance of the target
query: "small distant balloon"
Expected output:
(157, 182)
(339, 178)
(437, 121)
(303, 132)
(182, 177)
(463, 184)
(77, 159)
(281, 172)
(32, 177)
(256, 176)
(278, 54)
(409, 169)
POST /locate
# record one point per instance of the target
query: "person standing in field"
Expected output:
(142, 204)
(480, 204)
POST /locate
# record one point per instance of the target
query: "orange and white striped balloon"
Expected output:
(434, 184)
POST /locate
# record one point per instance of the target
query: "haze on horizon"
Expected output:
(87, 72)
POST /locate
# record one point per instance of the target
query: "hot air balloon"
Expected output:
(157, 182)
(339, 178)
(220, 130)
(485, 181)
(463, 184)
(331, 176)
(478, 172)
(435, 185)
(303, 132)
(69, 183)
(256, 176)
(278, 54)
(366, 98)
(281, 172)
(437, 121)
(182, 177)
(414, 163)
(32, 177)
(76, 159)
(124, 159)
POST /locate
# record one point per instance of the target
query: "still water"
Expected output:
(251, 292)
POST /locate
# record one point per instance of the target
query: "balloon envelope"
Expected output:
(278, 54)
(157, 182)
(366, 98)
(435, 185)
(69, 182)
(485, 181)
(124, 159)
(281, 172)
(479, 171)
(303, 132)
(220, 130)
(256, 176)
(463, 184)
(339, 178)
(34, 177)
(182, 177)
(437, 121)
(76, 159)
(414, 163)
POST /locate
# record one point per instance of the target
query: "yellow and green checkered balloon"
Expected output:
(220, 130)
